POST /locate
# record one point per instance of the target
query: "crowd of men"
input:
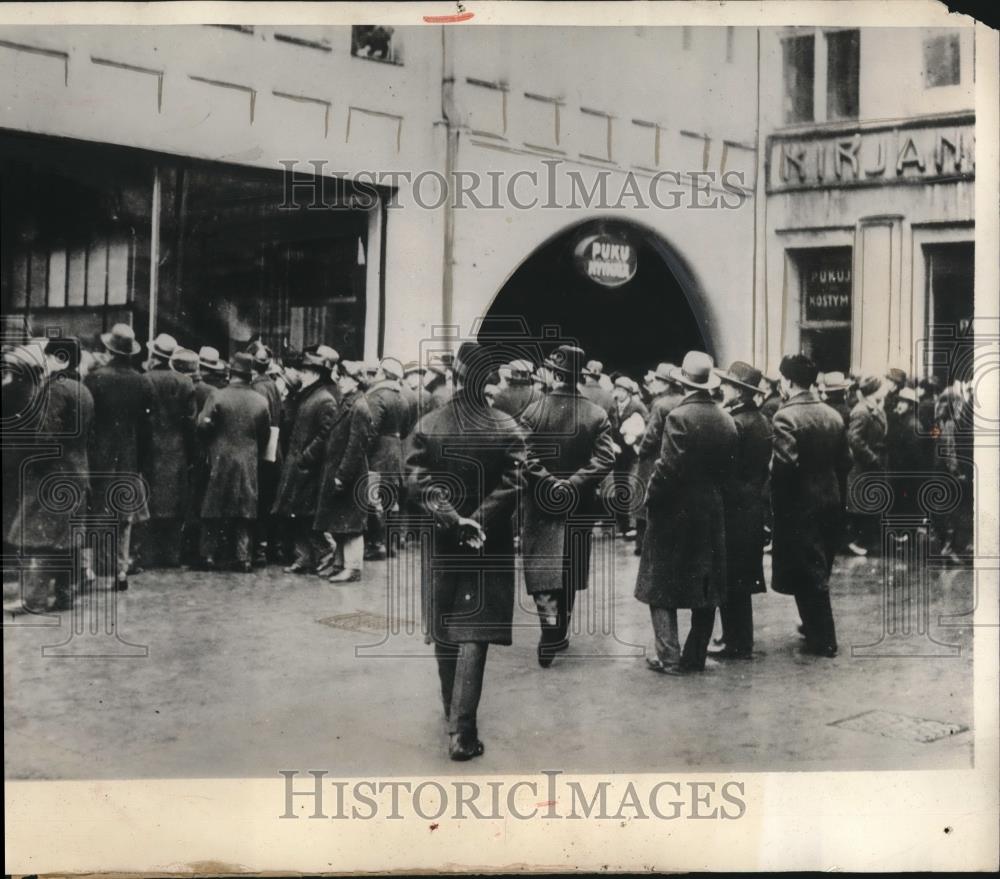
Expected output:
(300, 460)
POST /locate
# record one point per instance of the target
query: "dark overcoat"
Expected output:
(910, 461)
(770, 405)
(343, 509)
(172, 449)
(466, 460)
(866, 436)
(390, 417)
(315, 409)
(810, 459)
(122, 435)
(412, 401)
(516, 398)
(626, 458)
(199, 471)
(236, 426)
(55, 487)
(744, 501)
(651, 443)
(265, 386)
(568, 438)
(599, 396)
(683, 563)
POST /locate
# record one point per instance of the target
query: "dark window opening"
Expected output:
(950, 304)
(376, 42)
(798, 55)
(842, 56)
(826, 287)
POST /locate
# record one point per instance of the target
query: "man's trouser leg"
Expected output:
(817, 619)
(123, 548)
(467, 689)
(737, 622)
(668, 647)
(265, 500)
(548, 606)
(447, 660)
(240, 531)
(308, 548)
(353, 547)
(696, 643)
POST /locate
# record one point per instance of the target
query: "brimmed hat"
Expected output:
(567, 360)
(184, 361)
(625, 383)
(241, 364)
(328, 354)
(664, 371)
(835, 381)
(391, 367)
(353, 369)
(121, 340)
(696, 372)
(315, 361)
(897, 376)
(908, 394)
(869, 385)
(594, 368)
(742, 375)
(163, 346)
(799, 369)
(413, 366)
(208, 358)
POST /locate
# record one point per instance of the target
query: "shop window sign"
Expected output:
(826, 286)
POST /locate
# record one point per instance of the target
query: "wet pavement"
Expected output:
(231, 675)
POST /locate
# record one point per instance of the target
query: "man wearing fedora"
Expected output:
(834, 387)
(809, 460)
(744, 503)
(436, 385)
(235, 424)
(570, 450)
(866, 434)
(124, 400)
(519, 393)
(665, 394)
(295, 503)
(465, 466)
(683, 562)
(341, 506)
(626, 405)
(390, 423)
(590, 386)
(173, 423)
(265, 535)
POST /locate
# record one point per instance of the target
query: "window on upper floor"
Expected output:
(798, 57)
(842, 54)
(942, 60)
(376, 42)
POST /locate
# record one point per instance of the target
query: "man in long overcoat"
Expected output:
(265, 534)
(236, 426)
(342, 508)
(41, 526)
(390, 423)
(570, 451)
(315, 410)
(173, 421)
(590, 386)
(683, 563)
(666, 394)
(744, 502)
(866, 435)
(519, 394)
(123, 409)
(465, 470)
(909, 455)
(810, 459)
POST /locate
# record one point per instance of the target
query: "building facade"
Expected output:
(639, 190)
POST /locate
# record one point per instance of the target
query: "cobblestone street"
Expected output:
(247, 675)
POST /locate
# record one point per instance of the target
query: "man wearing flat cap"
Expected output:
(123, 408)
(570, 450)
(173, 425)
(464, 466)
(866, 434)
(666, 394)
(810, 458)
(390, 424)
(235, 425)
(744, 502)
(683, 562)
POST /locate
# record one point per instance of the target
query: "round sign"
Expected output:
(607, 259)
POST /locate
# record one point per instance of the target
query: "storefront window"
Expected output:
(950, 274)
(826, 306)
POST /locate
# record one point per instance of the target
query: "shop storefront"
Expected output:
(212, 253)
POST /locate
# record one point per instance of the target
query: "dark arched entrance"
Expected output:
(631, 327)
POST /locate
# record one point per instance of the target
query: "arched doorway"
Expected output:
(630, 307)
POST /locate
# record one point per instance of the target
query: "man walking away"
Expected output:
(809, 461)
(683, 562)
(866, 434)
(468, 583)
(390, 422)
(236, 426)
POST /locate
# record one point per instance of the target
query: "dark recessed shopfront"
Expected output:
(93, 235)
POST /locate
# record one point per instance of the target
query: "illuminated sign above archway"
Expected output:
(607, 258)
